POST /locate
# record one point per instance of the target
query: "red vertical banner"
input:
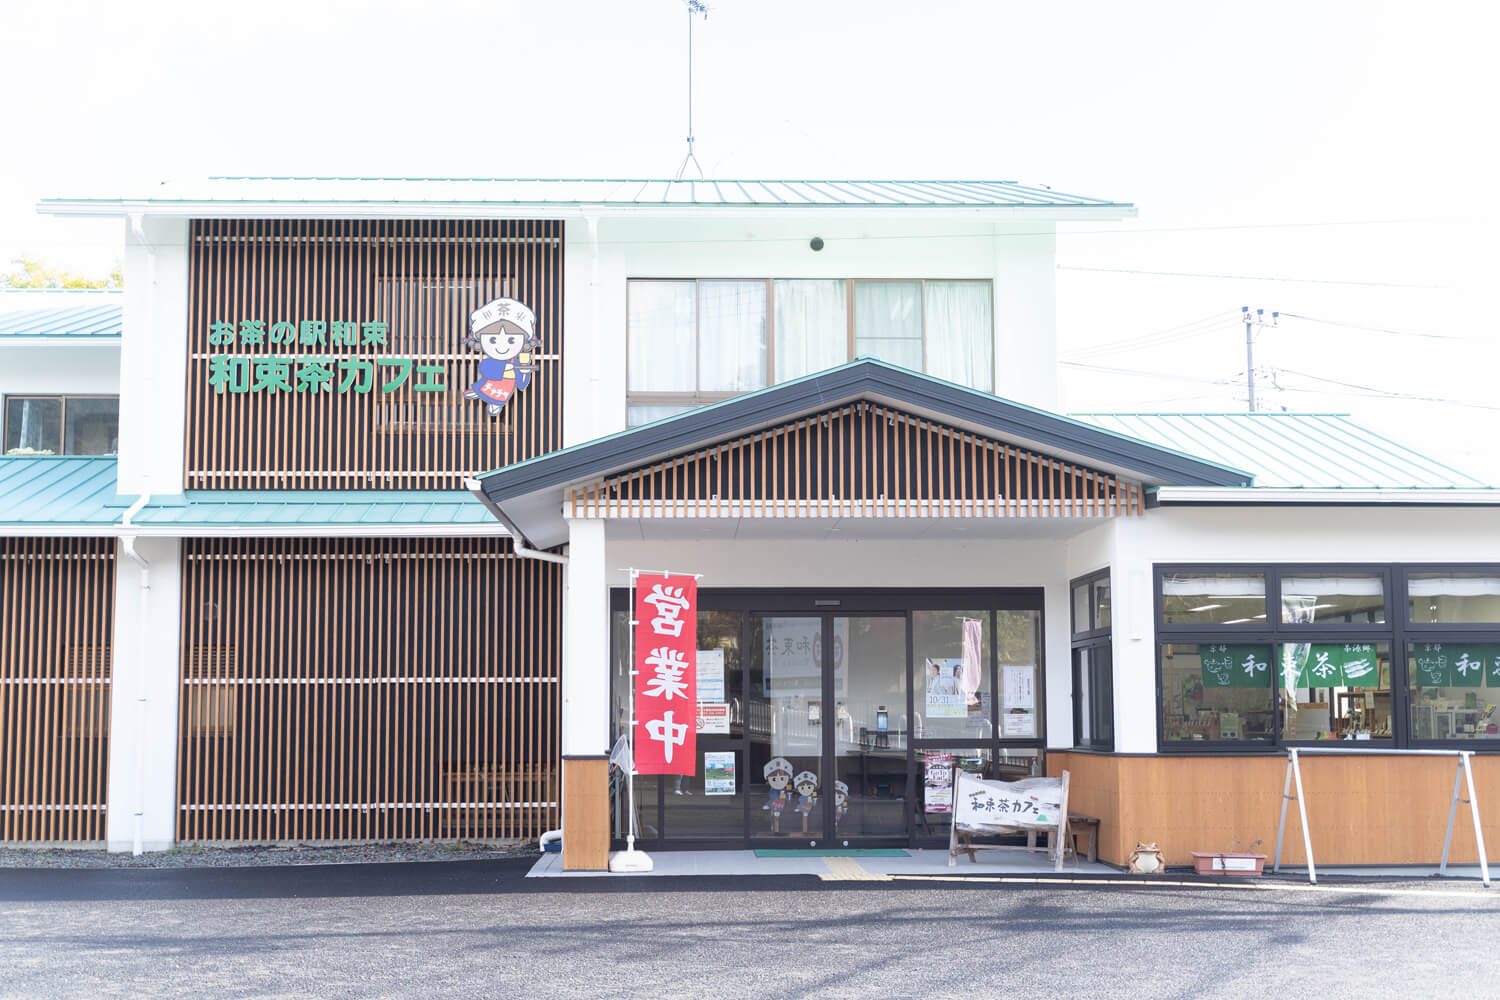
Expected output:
(666, 680)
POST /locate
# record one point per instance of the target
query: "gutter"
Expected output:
(127, 545)
(1334, 497)
(517, 540)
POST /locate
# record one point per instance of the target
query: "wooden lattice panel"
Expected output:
(860, 460)
(367, 689)
(56, 627)
(421, 279)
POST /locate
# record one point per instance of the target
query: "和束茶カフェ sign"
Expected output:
(344, 356)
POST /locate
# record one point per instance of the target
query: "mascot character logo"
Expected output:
(504, 331)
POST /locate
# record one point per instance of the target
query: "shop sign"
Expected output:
(718, 773)
(1032, 802)
(1329, 664)
(503, 331)
(666, 648)
(1235, 665)
(1454, 664)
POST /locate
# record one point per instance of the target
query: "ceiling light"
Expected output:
(1206, 607)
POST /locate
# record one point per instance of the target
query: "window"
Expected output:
(1333, 663)
(61, 425)
(699, 341)
(1093, 664)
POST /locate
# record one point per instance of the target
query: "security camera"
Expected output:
(816, 243)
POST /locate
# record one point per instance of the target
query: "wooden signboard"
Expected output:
(998, 808)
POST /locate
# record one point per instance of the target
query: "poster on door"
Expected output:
(937, 782)
(666, 652)
(945, 696)
(718, 773)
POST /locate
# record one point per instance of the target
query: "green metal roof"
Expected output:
(634, 192)
(38, 490)
(62, 315)
(1295, 450)
(316, 509)
(81, 491)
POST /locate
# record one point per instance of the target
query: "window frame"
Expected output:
(62, 424)
(1092, 638)
(1398, 632)
(698, 397)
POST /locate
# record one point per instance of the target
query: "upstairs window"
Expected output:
(62, 425)
(699, 341)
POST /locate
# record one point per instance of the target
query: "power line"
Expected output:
(1244, 277)
(1108, 370)
(1371, 329)
(1155, 338)
(1369, 390)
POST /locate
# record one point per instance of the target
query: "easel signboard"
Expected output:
(998, 808)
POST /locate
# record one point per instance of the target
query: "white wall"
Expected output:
(153, 358)
(46, 371)
(895, 564)
(1022, 272)
(1261, 535)
(143, 698)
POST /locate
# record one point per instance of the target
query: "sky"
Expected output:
(1325, 160)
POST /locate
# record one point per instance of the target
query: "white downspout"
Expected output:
(518, 546)
(127, 542)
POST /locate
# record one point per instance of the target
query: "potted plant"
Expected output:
(1230, 862)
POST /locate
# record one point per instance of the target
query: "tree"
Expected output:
(31, 272)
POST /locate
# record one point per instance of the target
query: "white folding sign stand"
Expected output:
(631, 861)
(1465, 774)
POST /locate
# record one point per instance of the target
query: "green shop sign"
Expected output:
(1454, 664)
(312, 373)
(1235, 666)
(1329, 664)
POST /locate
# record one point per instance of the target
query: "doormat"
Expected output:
(844, 852)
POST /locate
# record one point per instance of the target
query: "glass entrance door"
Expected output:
(828, 728)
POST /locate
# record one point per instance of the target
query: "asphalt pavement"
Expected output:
(480, 929)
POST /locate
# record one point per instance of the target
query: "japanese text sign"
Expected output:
(1235, 665)
(1329, 665)
(1455, 664)
(989, 806)
(666, 655)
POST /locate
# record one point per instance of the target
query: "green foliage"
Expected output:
(31, 272)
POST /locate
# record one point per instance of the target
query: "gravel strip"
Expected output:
(263, 856)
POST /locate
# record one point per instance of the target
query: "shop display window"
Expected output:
(1454, 690)
(953, 695)
(1216, 692)
(1335, 690)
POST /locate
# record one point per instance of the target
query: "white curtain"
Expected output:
(1453, 586)
(812, 327)
(663, 350)
(959, 333)
(732, 327)
(888, 322)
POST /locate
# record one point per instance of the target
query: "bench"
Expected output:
(1078, 823)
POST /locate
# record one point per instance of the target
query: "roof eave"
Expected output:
(1341, 496)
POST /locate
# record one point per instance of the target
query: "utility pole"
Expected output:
(1251, 322)
(693, 7)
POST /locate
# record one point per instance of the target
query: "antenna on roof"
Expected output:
(693, 7)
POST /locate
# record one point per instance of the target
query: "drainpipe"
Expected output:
(127, 542)
(518, 545)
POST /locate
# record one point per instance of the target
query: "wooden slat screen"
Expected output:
(866, 460)
(56, 631)
(422, 278)
(367, 689)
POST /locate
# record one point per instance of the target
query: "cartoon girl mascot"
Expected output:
(807, 795)
(840, 802)
(505, 333)
(778, 772)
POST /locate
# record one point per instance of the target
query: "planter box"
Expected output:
(1228, 863)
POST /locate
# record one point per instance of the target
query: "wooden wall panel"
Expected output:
(421, 278)
(866, 460)
(1362, 810)
(56, 635)
(367, 689)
